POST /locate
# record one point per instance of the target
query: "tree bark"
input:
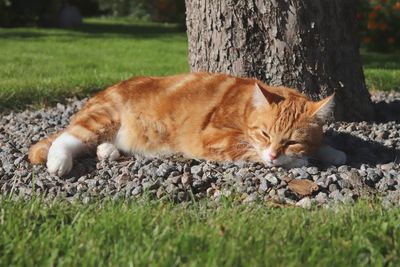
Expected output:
(308, 45)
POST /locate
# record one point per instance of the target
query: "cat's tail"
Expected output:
(38, 152)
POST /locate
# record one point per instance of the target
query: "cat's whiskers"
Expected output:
(242, 146)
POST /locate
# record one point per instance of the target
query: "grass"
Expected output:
(45, 65)
(162, 234)
(42, 66)
(382, 71)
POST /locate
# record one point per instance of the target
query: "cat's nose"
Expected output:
(272, 156)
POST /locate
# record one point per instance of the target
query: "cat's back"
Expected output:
(188, 88)
(172, 84)
(200, 88)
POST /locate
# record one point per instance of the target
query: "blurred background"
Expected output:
(379, 20)
(69, 13)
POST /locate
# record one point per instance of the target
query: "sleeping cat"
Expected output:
(200, 115)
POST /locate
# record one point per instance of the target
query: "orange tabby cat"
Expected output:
(201, 115)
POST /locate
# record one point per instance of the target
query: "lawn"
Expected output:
(382, 71)
(42, 66)
(192, 234)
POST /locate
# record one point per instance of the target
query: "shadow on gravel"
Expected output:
(82, 166)
(360, 151)
(385, 112)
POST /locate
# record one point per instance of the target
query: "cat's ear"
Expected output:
(323, 109)
(264, 98)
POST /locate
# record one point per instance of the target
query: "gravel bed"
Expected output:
(372, 171)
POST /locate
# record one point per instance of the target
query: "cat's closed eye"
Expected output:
(264, 133)
(291, 143)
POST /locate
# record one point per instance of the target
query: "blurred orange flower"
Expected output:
(391, 40)
(377, 7)
(372, 15)
(372, 25)
(383, 26)
(385, 1)
(396, 6)
(366, 40)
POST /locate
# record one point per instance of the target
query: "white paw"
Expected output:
(107, 151)
(62, 152)
(59, 163)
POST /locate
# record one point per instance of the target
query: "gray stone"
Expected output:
(186, 179)
(373, 176)
(263, 186)
(175, 179)
(304, 203)
(343, 168)
(171, 189)
(312, 170)
(344, 183)
(281, 192)
(199, 184)
(86, 200)
(321, 198)
(71, 190)
(151, 185)
(332, 187)
(137, 191)
(163, 170)
(336, 196)
(272, 193)
(250, 198)
(196, 170)
(271, 178)
(300, 173)
(130, 186)
(92, 183)
(387, 166)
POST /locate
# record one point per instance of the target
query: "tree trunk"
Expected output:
(308, 45)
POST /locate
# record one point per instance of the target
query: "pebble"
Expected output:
(372, 148)
(336, 196)
(136, 191)
(186, 179)
(312, 170)
(333, 188)
(304, 203)
(263, 186)
(300, 173)
(271, 178)
(321, 198)
(196, 170)
(387, 166)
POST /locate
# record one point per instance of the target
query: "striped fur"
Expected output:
(201, 115)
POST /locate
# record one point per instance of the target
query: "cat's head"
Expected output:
(285, 128)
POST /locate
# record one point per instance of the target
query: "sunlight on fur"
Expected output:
(200, 115)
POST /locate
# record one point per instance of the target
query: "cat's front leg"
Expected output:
(330, 155)
(62, 152)
(107, 151)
